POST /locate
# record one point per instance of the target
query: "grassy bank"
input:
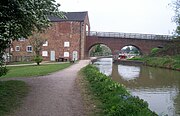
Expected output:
(28, 71)
(170, 62)
(114, 98)
(11, 94)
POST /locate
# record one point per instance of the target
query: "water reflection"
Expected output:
(128, 72)
(159, 87)
(104, 65)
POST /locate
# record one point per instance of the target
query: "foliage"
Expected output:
(176, 18)
(98, 48)
(115, 99)
(38, 59)
(29, 71)
(154, 51)
(37, 41)
(3, 70)
(20, 18)
(127, 49)
(170, 62)
(164, 62)
(26, 17)
(11, 94)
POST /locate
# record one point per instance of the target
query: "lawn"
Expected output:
(34, 70)
(11, 94)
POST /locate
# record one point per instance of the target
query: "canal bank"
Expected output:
(166, 63)
(159, 87)
(114, 99)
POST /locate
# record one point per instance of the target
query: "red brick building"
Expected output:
(66, 38)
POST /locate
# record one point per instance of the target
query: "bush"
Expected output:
(3, 71)
(116, 100)
(154, 51)
(164, 62)
(38, 59)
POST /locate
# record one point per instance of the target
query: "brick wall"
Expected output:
(60, 32)
(115, 44)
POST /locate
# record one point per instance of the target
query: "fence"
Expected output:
(130, 35)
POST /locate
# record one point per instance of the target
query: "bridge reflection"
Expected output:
(145, 77)
(159, 87)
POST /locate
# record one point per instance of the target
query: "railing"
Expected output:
(129, 35)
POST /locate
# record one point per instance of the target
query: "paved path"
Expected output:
(54, 95)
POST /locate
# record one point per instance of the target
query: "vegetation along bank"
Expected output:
(115, 99)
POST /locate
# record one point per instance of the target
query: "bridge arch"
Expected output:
(105, 47)
(133, 47)
(115, 43)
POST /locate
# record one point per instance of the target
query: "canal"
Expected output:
(159, 87)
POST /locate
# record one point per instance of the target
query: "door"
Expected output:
(75, 55)
(52, 57)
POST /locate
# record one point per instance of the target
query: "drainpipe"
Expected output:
(80, 42)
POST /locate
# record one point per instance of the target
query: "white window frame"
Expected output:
(45, 43)
(66, 44)
(17, 49)
(27, 48)
(45, 53)
(66, 54)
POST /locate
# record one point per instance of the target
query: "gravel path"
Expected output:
(54, 95)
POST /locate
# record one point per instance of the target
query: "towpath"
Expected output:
(54, 95)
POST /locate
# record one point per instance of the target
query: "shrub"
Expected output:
(38, 59)
(154, 51)
(116, 100)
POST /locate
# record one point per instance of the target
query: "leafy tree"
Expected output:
(37, 41)
(98, 48)
(135, 50)
(176, 6)
(20, 18)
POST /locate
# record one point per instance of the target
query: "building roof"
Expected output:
(70, 16)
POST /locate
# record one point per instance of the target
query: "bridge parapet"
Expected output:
(129, 35)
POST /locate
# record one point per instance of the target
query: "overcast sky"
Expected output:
(130, 16)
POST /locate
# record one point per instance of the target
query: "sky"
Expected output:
(128, 16)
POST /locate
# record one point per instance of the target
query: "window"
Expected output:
(29, 48)
(46, 43)
(21, 39)
(66, 54)
(66, 44)
(44, 53)
(17, 48)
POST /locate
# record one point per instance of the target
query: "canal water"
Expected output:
(159, 87)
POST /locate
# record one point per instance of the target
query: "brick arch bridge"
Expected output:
(116, 41)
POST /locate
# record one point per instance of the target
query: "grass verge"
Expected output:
(90, 102)
(170, 62)
(114, 98)
(11, 94)
(28, 71)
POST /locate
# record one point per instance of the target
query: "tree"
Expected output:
(98, 49)
(21, 18)
(176, 18)
(37, 41)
